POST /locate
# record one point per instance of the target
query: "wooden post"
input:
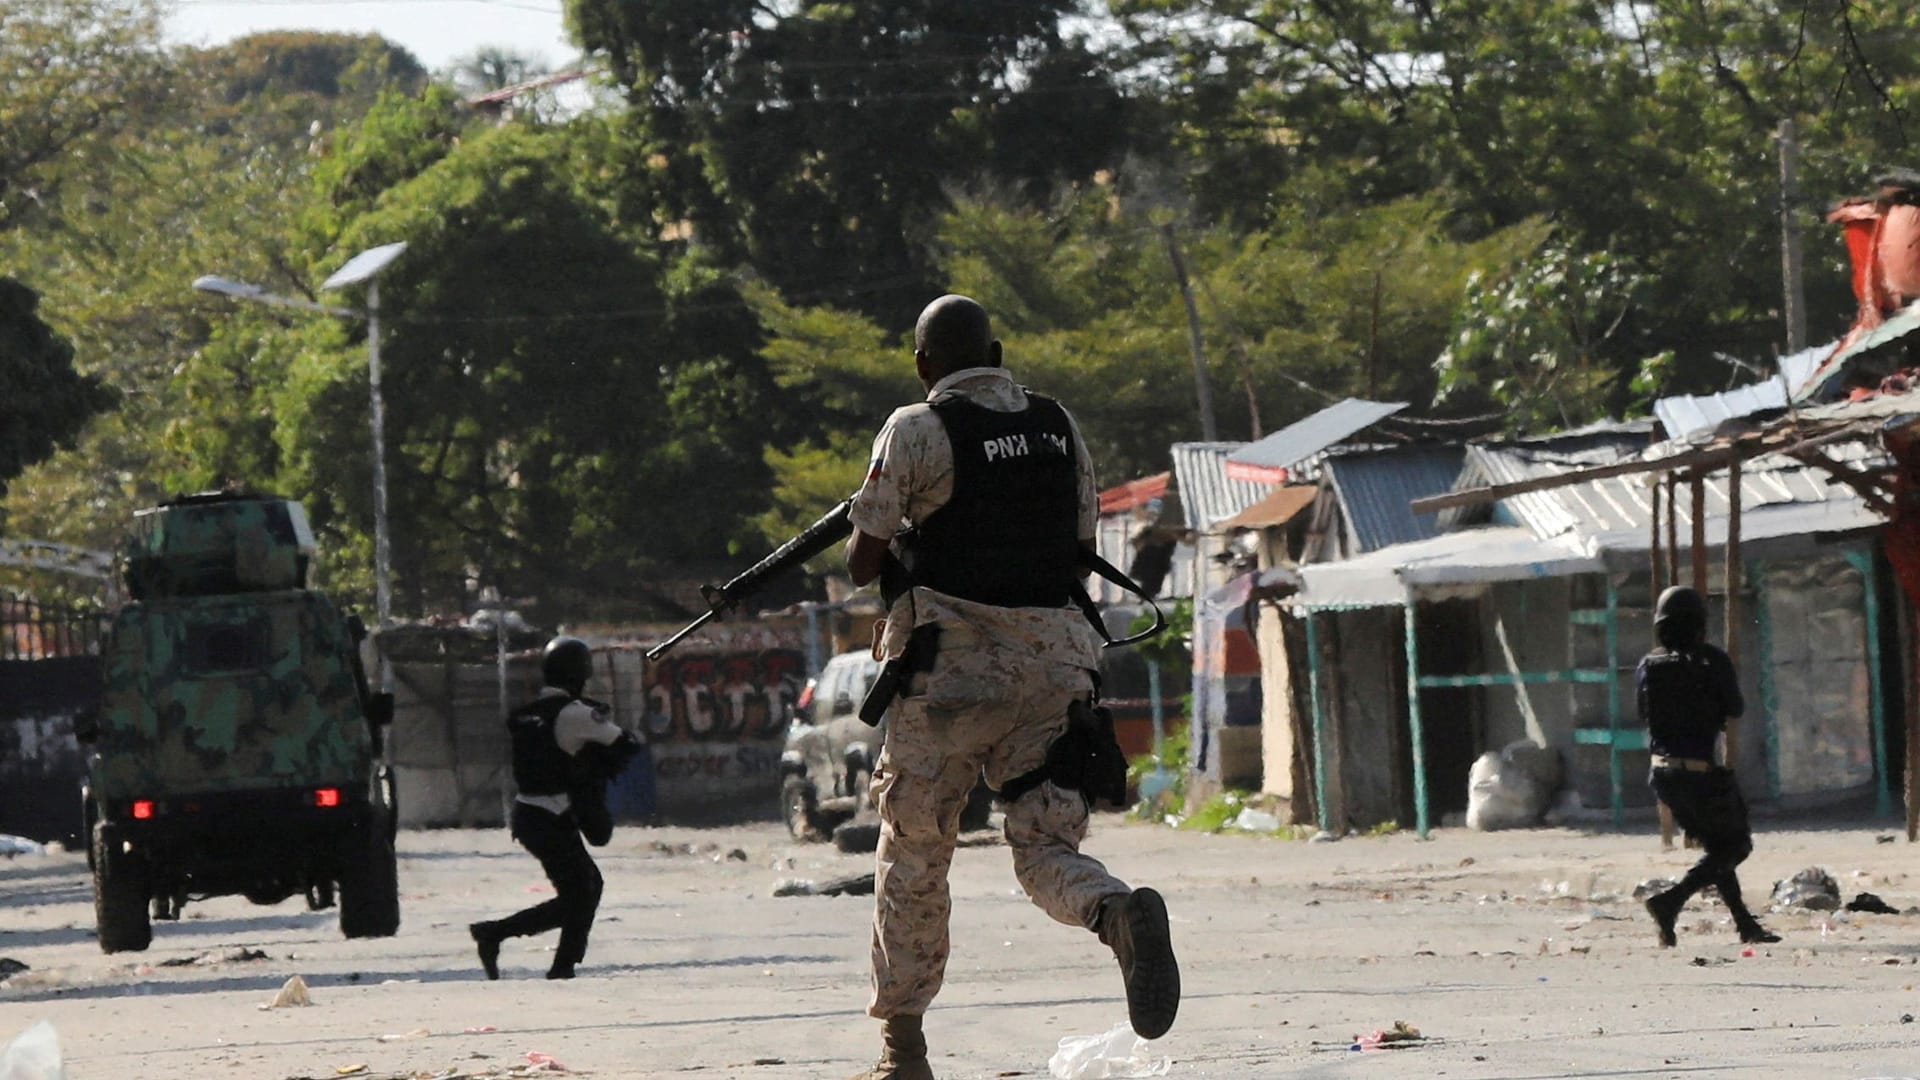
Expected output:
(1698, 482)
(1673, 530)
(1733, 561)
(1657, 575)
(1910, 663)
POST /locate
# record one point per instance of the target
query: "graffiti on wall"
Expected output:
(721, 717)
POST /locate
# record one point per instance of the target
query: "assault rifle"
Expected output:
(833, 527)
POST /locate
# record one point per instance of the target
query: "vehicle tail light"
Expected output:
(326, 796)
(143, 808)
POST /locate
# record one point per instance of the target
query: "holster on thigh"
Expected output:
(1085, 758)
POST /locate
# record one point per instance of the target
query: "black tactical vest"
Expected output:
(1684, 710)
(1009, 536)
(540, 767)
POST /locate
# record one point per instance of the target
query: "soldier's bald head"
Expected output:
(954, 333)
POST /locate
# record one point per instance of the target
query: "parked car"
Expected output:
(827, 765)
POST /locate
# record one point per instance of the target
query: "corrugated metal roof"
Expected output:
(1468, 557)
(1898, 325)
(1299, 441)
(1375, 489)
(1206, 495)
(1615, 513)
(1687, 415)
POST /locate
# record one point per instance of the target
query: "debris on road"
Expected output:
(33, 1055)
(1812, 889)
(1651, 886)
(231, 956)
(292, 993)
(1400, 1036)
(1117, 1054)
(1872, 905)
(851, 885)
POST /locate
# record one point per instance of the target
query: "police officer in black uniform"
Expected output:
(1688, 693)
(565, 748)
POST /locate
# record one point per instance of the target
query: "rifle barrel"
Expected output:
(835, 524)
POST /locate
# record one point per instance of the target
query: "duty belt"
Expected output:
(1661, 761)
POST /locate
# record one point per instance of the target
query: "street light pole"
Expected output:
(362, 267)
(382, 542)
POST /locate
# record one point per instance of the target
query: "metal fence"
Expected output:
(32, 630)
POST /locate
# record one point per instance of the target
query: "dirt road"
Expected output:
(1516, 955)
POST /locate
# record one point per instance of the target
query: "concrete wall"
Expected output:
(1822, 725)
(1524, 627)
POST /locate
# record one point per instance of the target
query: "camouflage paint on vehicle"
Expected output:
(202, 546)
(227, 694)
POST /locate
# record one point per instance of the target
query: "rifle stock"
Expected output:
(832, 527)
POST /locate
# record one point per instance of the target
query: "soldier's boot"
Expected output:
(903, 1053)
(1749, 927)
(1134, 926)
(486, 938)
(1665, 909)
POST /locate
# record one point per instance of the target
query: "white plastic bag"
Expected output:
(1114, 1056)
(35, 1055)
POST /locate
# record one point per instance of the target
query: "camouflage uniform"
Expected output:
(996, 697)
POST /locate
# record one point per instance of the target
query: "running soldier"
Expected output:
(996, 486)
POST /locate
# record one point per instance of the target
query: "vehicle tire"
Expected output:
(88, 816)
(799, 806)
(370, 887)
(119, 898)
(975, 815)
(857, 837)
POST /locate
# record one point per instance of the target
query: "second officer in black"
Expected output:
(1688, 697)
(565, 746)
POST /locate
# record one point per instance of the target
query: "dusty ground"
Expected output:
(1516, 955)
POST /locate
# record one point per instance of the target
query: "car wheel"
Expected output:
(856, 837)
(799, 806)
(370, 886)
(119, 897)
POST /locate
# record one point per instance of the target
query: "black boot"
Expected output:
(487, 939)
(1134, 926)
(1665, 909)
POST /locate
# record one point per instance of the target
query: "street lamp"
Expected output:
(362, 267)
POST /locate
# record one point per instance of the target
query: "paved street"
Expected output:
(1515, 955)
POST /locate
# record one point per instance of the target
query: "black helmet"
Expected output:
(1680, 619)
(567, 663)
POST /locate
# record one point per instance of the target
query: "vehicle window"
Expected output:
(217, 648)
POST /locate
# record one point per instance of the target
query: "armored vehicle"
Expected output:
(236, 748)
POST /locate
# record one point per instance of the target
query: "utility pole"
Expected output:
(1790, 255)
(1203, 392)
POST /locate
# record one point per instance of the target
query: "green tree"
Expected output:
(75, 75)
(44, 402)
(196, 185)
(813, 142)
(1530, 337)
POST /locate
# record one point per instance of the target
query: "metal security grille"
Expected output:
(31, 630)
